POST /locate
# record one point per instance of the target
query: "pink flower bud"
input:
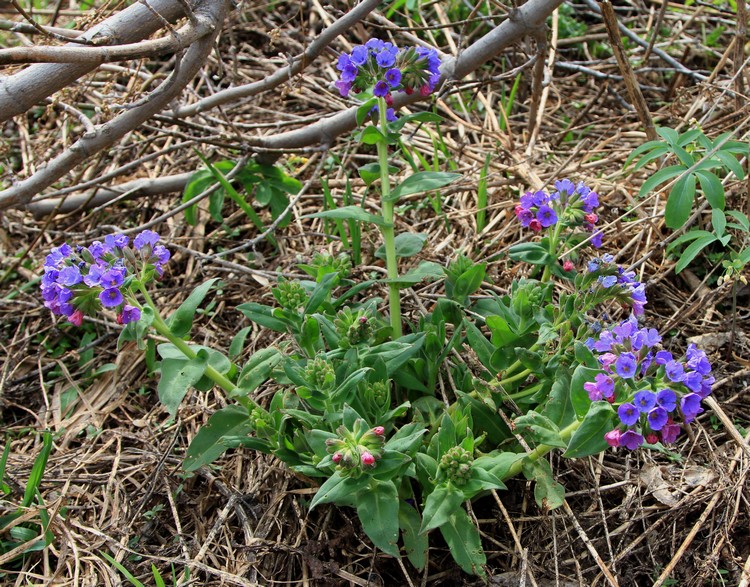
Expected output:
(591, 218)
(424, 91)
(379, 430)
(76, 318)
(409, 91)
(336, 458)
(535, 225)
(389, 99)
(367, 459)
(613, 438)
(568, 266)
(652, 438)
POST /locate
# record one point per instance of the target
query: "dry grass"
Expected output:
(114, 482)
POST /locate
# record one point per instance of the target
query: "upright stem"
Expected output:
(552, 250)
(389, 238)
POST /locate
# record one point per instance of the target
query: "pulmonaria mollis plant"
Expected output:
(349, 387)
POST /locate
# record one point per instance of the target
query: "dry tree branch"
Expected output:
(183, 38)
(212, 13)
(528, 18)
(21, 91)
(46, 31)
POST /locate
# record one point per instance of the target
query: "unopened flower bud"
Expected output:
(652, 438)
(568, 266)
(368, 460)
(336, 458)
(591, 218)
(379, 430)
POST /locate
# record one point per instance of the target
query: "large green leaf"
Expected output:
(262, 315)
(464, 542)
(339, 490)
(422, 181)
(181, 320)
(579, 397)
(532, 253)
(349, 213)
(407, 244)
(541, 429)
(425, 270)
(680, 202)
(660, 177)
(258, 369)
(548, 493)
(588, 439)
(415, 544)
(377, 508)
(211, 441)
(712, 189)
(440, 505)
(177, 376)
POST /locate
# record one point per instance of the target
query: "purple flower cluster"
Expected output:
(651, 386)
(570, 203)
(81, 281)
(384, 68)
(618, 283)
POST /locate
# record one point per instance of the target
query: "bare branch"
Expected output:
(26, 88)
(27, 29)
(45, 31)
(282, 75)
(183, 38)
(109, 133)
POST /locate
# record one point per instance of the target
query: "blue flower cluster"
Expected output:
(650, 385)
(570, 203)
(81, 281)
(620, 284)
(384, 68)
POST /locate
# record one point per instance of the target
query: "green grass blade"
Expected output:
(482, 195)
(128, 575)
(35, 477)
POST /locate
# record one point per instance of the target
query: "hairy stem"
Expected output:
(389, 238)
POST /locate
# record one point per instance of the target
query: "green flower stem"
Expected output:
(526, 392)
(221, 380)
(552, 249)
(540, 451)
(518, 376)
(389, 237)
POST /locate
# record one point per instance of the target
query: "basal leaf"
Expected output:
(415, 544)
(378, 508)
(209, 444)
(464, 542)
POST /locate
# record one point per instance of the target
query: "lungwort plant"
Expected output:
(382, 410)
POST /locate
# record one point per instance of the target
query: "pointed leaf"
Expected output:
(415, 544)
(349, 213)
(588, 439)
(422, 181)
(680, 202)
(177, 376)
(407, 244)
(464, 542)
(181, 320)
(377, 508)
(211, 441)
(440, 505)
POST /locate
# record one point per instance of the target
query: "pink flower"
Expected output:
(76, 318)
(568, 265)
(613, 438)
(652, 438)
(336, 458)
(591, 218)
(379, 430)
(535, 225)
(367, 459)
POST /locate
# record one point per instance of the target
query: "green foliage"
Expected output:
(30, 535)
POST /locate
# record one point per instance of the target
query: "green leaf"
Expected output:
(339, 490)
(262, 315)
(258, 369)
(559, 408)
(532, 253)
(363, 111)
(349, 213)
(548, 493)
(127, 574)
(588, 439)
(423, 116)
(370, 135)
(642, 149)
(654, 154)
(370, 172)
(718, 222)
(422, 181)
(177, 376)
(440, 505)
(181, 320)
(464, 542)
(680, 202)
(542, 429)
(211, 441)
(731, 163)
(741, 218)
(668, 134)
(692, 251)
(377, 508)
(529, 359)
(37, 471)
(712, 189)
(660, 177)
(238, 342)
(198, 182)
(407, 244)
(322, 291)
(579, 397)
(470, 281)
(425, 270)
(415, 544)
